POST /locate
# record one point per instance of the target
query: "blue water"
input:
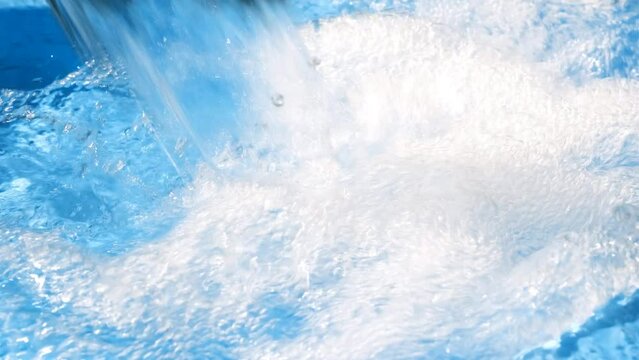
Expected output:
(32, 57)
(98, 191)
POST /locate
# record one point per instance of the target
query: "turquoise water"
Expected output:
(321, 179)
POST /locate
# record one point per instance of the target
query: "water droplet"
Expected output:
(179, 145)
(315, 61)
(278, 100)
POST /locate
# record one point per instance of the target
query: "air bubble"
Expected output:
(278, 100)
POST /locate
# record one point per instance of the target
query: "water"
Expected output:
(328, 180)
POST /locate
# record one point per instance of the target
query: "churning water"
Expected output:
(327, 180)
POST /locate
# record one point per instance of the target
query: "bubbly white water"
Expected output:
(411, 185)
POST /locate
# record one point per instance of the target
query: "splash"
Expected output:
(187, 62)
(447, 180)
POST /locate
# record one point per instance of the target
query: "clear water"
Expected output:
(329, 180)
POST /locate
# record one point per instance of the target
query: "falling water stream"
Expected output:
(319, 179)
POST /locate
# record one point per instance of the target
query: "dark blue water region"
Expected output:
(34, 50)
(611, 333)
